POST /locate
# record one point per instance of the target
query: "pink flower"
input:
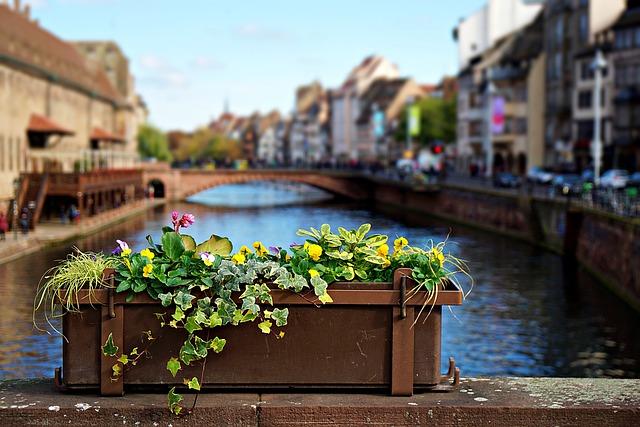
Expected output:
(185, 221)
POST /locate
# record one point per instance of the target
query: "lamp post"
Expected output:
(16, 189)
(409, 123)
(488, 137)
(598, 64)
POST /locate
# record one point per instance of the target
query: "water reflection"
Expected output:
(530, 313)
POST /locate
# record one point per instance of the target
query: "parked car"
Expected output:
(634, 180)
(614, 178)
(567, 183)
(506, 180)
(539, 175)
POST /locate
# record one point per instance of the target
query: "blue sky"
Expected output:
(188, 57)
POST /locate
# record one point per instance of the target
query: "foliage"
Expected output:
(205, 145)
(204, 286)
(152, 142)
(60, 284)
(438, 121)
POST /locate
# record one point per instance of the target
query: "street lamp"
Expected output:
(598, 64)
(16, 189)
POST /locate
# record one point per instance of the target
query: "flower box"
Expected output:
(367, 338)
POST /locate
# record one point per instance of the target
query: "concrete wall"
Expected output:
(608, 246)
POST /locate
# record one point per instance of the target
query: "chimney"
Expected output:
(27, 11)
(16, 6)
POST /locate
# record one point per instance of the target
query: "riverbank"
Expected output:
(479, 401)
(54, 233)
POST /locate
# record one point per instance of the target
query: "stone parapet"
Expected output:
(479, 402)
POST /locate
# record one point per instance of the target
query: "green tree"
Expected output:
(205, 145)
(438, 121)
(152, 142)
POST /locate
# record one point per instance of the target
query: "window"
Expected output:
(583, 27)
(557, 65)
(586, 72)
(559, 31)
(584, 99)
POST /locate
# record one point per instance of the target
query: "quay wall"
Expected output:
(607, 245)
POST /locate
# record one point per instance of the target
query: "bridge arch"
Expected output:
(347, 185)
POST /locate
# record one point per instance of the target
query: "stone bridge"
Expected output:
(177, 184)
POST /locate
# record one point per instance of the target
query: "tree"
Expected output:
(152, 142)
(205, 145)
(438, 121)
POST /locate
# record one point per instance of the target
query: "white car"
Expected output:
(614, 178)
(539, 175)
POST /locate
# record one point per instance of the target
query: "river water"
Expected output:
(529, 313)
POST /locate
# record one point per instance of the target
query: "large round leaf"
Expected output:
(215, 245)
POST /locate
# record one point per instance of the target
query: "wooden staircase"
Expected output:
(31, 196)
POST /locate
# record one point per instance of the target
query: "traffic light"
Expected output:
(436, 148)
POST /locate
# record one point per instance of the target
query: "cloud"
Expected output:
(159, 72)
(253, 31)
(205, 63)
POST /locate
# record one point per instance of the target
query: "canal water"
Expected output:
(529, 313)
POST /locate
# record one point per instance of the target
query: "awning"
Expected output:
(100, 134)
(42, 124)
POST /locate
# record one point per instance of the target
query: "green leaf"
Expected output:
(192, 325)
(280, 316)
(172, 245)
(178, 314)
(215, 320)
(362, 231)
(217, 345)
(174, 400)
(166, 299)
(189, 242)
(193, 384)
(319, 285)
(325, 298)
(265, 326)
(184, 300)
(216, 245)
(124, 359)
(109, 348)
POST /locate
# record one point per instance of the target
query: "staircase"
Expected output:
(31, 196)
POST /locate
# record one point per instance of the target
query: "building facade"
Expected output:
(57, 113)
(345, 104)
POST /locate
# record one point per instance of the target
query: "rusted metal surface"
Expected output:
(360, 341)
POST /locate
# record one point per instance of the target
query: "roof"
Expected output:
(42, 124)
(630, 18)
(25, 43)
(381, 92)
(102, 135)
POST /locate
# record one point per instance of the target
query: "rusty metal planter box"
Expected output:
(365, 339)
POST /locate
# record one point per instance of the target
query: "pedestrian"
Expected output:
(4, 226)
(63, 214)
(24, 221)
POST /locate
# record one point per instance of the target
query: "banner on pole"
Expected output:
(414, 120)
(497, 121)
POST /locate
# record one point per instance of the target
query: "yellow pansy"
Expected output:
(147, 269)
(260, 249)
(383, 250)
(147, 253)
(314, 251)
(238, 258)
(386, 263)
(437, 255)
(313, 273)
(399, 243)
(244, 250)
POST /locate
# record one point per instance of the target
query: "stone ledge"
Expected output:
(479, 401)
